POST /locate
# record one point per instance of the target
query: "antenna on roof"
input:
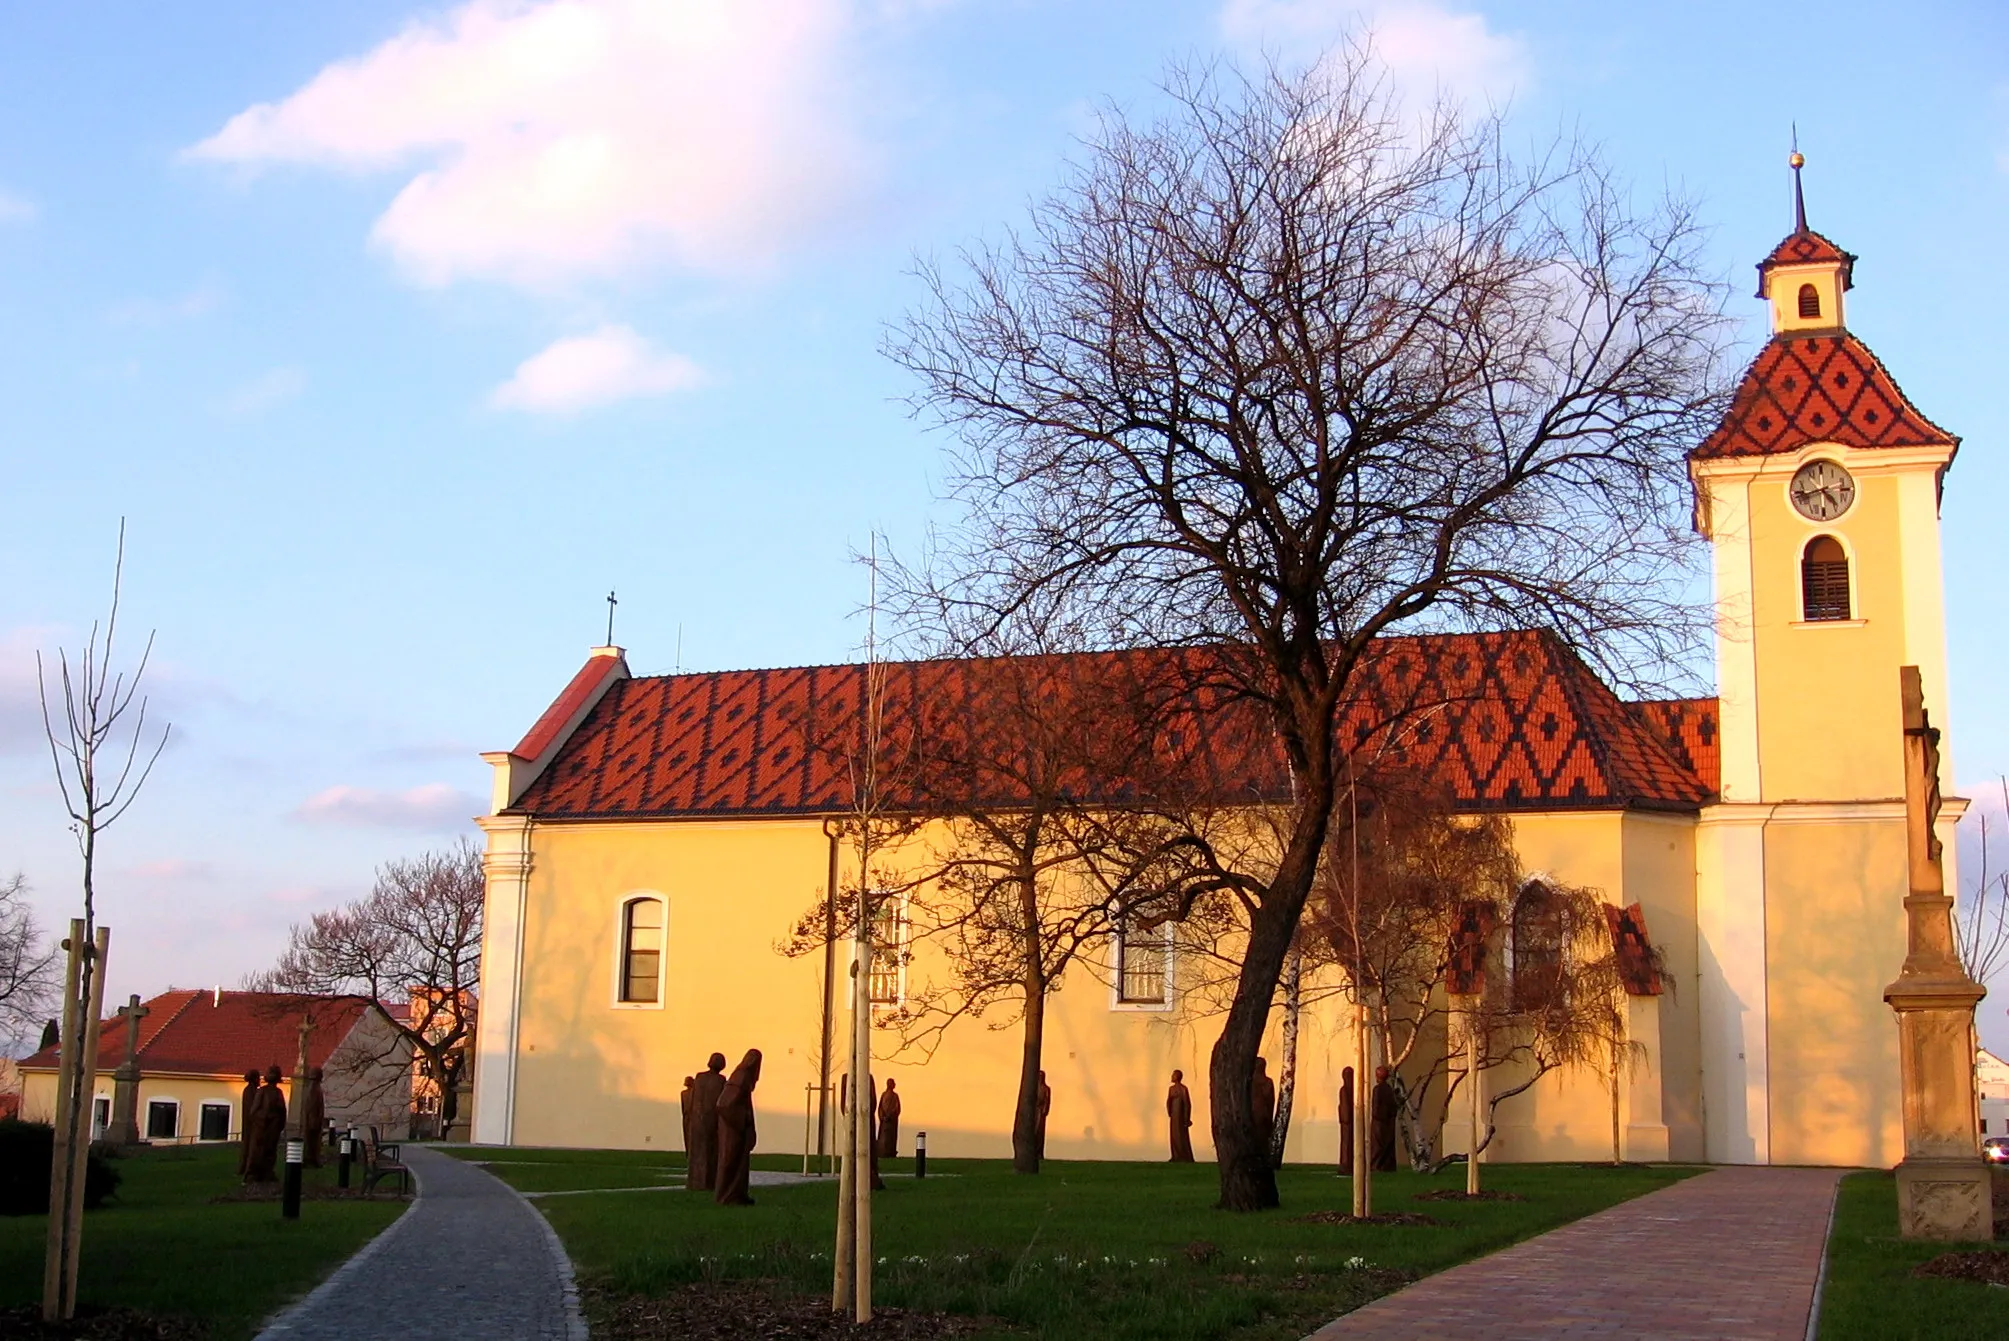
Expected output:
(611, 603)
(1796, 161)
(680, 648)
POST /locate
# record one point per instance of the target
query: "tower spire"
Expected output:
(1798, 160)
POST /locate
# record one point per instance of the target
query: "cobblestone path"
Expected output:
(1730, 1255)
(469, 1256)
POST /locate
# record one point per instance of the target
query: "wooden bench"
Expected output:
(380, 1161)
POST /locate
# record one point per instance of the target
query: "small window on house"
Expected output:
(889, 952)
(1810, 301)
(1824, 579)
(642, 951)
(101, 1117)
(1143, 964)
(163, 1120)
(215, 1122)
(1537, 947)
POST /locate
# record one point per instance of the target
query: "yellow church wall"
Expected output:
(594, 1072)
(1834, 940)
(38, 1098)
(1827, 690)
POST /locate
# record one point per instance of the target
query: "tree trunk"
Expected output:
(1025, 1151)
(1287, 1075)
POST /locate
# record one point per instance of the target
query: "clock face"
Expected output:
(1822, 490)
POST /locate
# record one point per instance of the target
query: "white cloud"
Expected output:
(197, 302)
(583, 371)
(433, 807)
(262, 393)
(575, 138)
(1426, 47)
(14, 209)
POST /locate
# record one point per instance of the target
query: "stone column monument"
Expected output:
(1943, 1189)
(125, 1129)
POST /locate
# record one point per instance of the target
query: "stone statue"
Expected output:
(701, 1150)
(265, 1128)
(1346, 1101)
(1381, 1134)
(1263, 1105)
(247, 1098)
(1179, 1109)
(889, 1123)
(1045, 1107)
(736, 1133)
(314, 1117)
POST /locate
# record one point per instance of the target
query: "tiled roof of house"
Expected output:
(1806, 247)
(1825, 387)
(223, 1033)
(1508, 720)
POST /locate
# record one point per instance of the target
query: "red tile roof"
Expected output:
(1689, 728)
(226, 1034)
(1505, 720)
(1828, 387)
(588, 678)
(1807, 247)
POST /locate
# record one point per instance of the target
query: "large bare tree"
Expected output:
(27, 966)
(1289, 368)
(413, 942)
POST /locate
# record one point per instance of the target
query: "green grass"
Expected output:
(161, 1246)
(1083, 1250)
(1871, 1294)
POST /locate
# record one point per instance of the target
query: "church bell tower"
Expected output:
(1819, 494)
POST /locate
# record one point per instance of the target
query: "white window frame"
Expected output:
(620, 976)
(146, 1120)
(1165, 933)
(100, 1125)
(229, 1119)
(903, 934)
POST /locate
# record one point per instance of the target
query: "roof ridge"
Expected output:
(194, 994)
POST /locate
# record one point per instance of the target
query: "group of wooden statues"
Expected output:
(719, 1131)
(1263, 1103)
(263, 1117)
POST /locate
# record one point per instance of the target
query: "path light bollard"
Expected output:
(289, 1196)
(345, 1150)
(920, 1154)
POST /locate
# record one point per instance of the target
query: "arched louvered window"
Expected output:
(1810, 301)
(1824, 579)
(1537, 947)
(642, 951)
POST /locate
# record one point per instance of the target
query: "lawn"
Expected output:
(1103, 1250)
(1871, 1294)
(163, 1247)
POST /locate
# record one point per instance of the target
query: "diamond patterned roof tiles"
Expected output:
(1507, 720)
(1824, 387)
(1806, 247)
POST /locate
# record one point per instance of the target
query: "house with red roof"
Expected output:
(195, 1046)
(653, 839)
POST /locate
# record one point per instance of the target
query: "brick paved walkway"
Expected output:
(1730, 1255)
(470, 1257)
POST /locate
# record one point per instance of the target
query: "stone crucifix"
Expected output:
(1943, 1189)
(125, 1130)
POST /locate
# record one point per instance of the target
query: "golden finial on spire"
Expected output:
(1796, 161)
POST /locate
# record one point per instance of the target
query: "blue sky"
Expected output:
(400, 335)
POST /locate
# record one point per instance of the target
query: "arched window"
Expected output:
(1143, 963)
(1824, 579)
(642, 951)
(889, 950)
(1537, 948)
(1810, 301)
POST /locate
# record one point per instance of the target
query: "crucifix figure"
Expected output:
(611, 603)
(297, 1125)
(124, 1129)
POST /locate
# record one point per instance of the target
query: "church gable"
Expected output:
(1503, 720)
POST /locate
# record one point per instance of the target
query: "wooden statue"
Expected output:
(314, 1117)
(684, 1102)
(246, 1099)
(1263, 1105)
(889, 1123)
(1346, 1101)
(736, 1133)
(1179, 1110)
(701, 1150)
(1381, 1135)
(265, 1128)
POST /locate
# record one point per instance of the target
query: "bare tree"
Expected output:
(28, 983)
(1981, 918)
(1288, 370)
(413, 941)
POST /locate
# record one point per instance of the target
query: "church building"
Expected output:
(654, 840)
